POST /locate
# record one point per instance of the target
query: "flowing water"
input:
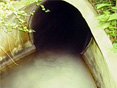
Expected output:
(49, 69)
(64, 27)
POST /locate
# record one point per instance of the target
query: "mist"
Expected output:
(49, 69)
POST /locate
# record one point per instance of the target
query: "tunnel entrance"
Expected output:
(61, 30)
(63, 27)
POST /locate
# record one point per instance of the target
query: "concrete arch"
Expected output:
(63, 27)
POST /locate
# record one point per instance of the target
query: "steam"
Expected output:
(50, 70)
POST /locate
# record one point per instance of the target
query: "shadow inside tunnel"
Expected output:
(60, 36)
(61, 28)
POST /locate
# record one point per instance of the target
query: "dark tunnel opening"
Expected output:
(61, 28)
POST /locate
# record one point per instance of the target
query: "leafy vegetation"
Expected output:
(107, 10)
(6, 9)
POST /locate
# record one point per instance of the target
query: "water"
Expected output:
(64, 27)
(49, 69)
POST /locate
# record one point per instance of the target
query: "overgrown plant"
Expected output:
(107, 10)
(6, 8)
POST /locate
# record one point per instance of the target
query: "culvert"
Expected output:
(62, 27)
(61, 35)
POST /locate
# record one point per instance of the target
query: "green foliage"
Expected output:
(113, 17)
(114, 47)
(43, 9)
(99, 6)
(6, 8)
(107, 10)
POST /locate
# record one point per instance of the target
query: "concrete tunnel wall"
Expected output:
(63, 27)
(99, 58)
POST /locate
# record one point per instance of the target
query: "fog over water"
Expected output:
(49, 69)
(64, 27)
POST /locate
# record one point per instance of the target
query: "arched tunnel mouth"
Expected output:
(61, 28)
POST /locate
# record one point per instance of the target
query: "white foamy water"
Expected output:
(49, 70)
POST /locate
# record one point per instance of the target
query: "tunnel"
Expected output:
(61, 28)
(60, 36)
